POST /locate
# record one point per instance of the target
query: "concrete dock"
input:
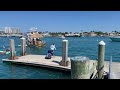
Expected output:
(115, 69)
(39, 60)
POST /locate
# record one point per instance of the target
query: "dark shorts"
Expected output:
(51, 51)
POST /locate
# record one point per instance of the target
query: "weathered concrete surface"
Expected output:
(115, 69)
(80, 69)
(40, 60)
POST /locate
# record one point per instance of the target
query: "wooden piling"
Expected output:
(23, 46)
(80, 68)
(101, 52)
(64, 61)
(12, 49)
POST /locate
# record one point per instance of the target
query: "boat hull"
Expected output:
(115, 39)
(37, 45)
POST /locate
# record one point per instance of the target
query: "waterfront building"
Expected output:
(12, 30)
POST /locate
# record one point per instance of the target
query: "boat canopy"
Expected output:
(36, 35)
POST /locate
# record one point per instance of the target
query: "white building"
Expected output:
(8, 30)
(92, 34)
(12, 30)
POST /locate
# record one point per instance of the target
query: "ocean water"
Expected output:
(78, 46)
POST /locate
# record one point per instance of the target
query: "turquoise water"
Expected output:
(78, 46)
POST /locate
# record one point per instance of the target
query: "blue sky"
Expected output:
(61, 21)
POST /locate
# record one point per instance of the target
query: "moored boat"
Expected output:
(62, 37)
(115, 38)
(33, 38)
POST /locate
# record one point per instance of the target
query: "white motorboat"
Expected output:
(62, 37)
(115, 38)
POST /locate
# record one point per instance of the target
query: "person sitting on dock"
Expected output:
(49, 54)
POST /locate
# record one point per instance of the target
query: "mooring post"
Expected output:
(80, 67)
(23, 46)
(110, 68)
(101, 52)
(65, 50)
(64, 61)
(12, 49)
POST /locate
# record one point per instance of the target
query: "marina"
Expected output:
(64, 62)
(40, 54)
(59, 45)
